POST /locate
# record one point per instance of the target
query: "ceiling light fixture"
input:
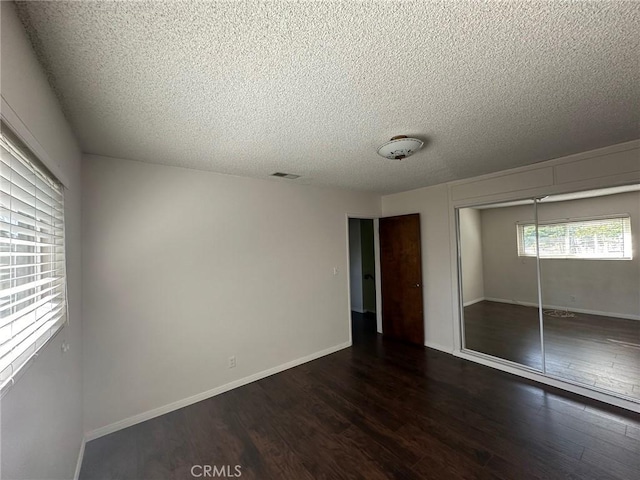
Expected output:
(400, 147)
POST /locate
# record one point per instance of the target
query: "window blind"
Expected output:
(594, 238)
(32, 261)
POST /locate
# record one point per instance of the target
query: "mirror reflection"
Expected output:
(590, 277)
(499, 287)
(588, 249)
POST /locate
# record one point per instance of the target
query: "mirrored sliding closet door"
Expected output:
(590, 279)
(553, 284)
(499, 286)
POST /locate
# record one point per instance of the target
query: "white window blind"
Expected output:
(32, 263)
(595, 238)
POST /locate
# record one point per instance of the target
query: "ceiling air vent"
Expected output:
(290, 176)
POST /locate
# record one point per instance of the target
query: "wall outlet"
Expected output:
(573, 298)
(232, 362)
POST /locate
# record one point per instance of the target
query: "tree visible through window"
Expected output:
(603, 238)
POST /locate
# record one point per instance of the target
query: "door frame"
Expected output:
(376, 254)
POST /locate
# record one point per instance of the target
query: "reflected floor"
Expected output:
(594, 350)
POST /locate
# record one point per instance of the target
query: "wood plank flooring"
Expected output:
(380, 410)
(594, 350)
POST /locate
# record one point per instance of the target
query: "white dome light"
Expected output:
(400, 147)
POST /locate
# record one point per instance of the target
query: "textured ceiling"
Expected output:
(314, 88)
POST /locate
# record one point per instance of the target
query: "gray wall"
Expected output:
(41, 420)
(355, 265)
(507, 277)
(368, 265)
(604, 286)
(471, 252)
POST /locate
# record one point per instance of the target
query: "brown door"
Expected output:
(401, 278)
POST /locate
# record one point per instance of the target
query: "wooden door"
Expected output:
(401, 278)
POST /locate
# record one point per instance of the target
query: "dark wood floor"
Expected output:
(381, 410)
(598, 351)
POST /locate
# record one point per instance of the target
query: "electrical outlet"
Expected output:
(573, 298)
(232, 362)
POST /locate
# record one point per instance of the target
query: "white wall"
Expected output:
(433, 206)
(183, 269)
(355, 265)
(41, 416)
(368, 265)
(471, 253)
(610, 287)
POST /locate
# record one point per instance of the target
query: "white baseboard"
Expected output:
(156, 412)
(626, 316)
(437, 346)
(471, 302)
(76, 475)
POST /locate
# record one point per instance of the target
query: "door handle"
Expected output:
(416, 285)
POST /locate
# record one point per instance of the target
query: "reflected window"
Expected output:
(596, 239)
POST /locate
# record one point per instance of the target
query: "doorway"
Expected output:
(385, 278)
(362, 278)
(401, 278)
